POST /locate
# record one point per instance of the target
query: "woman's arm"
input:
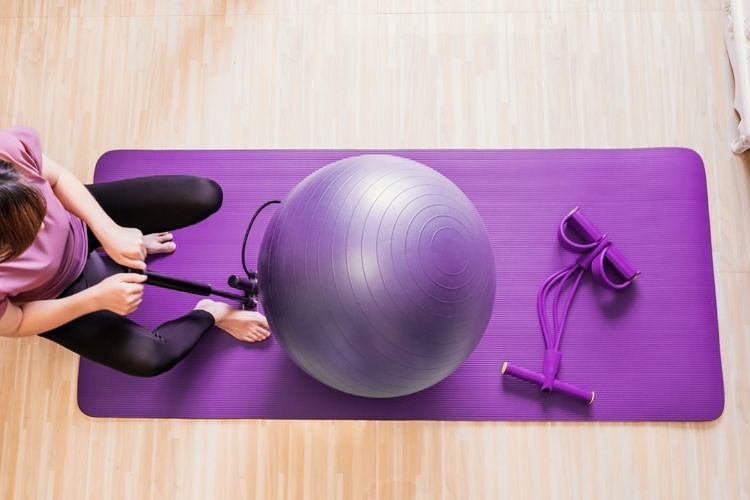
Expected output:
(124, 245)
(33, 318)
(120, 293)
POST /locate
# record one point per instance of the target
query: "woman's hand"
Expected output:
(125, 246)
(120, 293)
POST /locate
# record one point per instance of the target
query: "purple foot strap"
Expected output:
(598, 254)
(649, 352)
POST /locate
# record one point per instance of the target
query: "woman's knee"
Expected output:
(149, 361)
(206, 194)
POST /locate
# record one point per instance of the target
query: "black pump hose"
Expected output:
(247, 233)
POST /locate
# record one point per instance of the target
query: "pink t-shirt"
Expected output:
(57, 256)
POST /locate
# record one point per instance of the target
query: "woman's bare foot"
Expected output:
(247, 326)
(159, 243)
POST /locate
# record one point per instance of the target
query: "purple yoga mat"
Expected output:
(651, 352)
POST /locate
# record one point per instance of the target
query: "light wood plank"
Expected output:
(120, 8)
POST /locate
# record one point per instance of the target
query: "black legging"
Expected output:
(151, 204)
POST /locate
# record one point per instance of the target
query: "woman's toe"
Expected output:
(168, 247)
(159, 243)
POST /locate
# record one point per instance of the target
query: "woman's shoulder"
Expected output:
(21, 146)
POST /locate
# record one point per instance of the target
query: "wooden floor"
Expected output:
(94, 76)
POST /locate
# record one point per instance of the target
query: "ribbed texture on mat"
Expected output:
(650, 352)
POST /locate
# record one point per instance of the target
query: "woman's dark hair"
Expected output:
(22, 211)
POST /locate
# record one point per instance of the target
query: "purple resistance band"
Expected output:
(608, 266)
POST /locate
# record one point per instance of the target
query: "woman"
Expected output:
(52, 283)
